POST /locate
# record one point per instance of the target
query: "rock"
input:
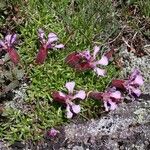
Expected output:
(3, 146)
(131, 62)
(18, 145)
(125, 128)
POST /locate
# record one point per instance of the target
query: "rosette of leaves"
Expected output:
(10, 76)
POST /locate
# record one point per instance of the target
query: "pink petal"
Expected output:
(69, 113)
(106, 106)
(86, 54)
(8, 38)
(62, 94)
(76, 108)
(116, 95)
(113, 105)
(100, 72)
(13, 38)
(3, 44)
(139, 80)
(41, 35)
(51, 35)
(136, 91)
(81, 95)
(53, 132)
(134, 74)
(70, 86)
(59, 46)
(103, 61)
(51, 40)
(96, 50)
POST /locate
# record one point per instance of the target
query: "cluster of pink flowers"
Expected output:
(67, 99)
(80, 61)
(132, 84)
(111, 97)
(83, 61)
(8, 42)
(50, 43)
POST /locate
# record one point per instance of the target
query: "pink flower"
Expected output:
(132, 84)
(8, 45)
(83, 61)
(45, 45)
(110, 98)
(53, 132)
(67, 99)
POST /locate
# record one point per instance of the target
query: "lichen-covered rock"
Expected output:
(125, 128)
(131, 62)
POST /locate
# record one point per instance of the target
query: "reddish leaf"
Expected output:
(85, 66)
(96, 95)
(73, 59)
(41, 56)
(118, 84)
(78, 62)
(57, 97)
(14, 56)
(110, 53)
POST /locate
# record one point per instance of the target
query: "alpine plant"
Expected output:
(68, 98)
(52, 132)
(130, 85)
(46, 44)
(7, 44)
(110, 98)
(83, 61)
